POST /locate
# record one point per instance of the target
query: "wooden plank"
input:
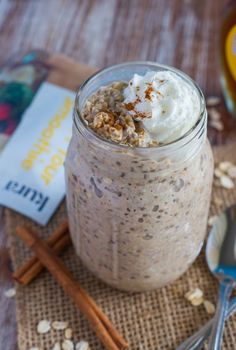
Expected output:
(180, 33)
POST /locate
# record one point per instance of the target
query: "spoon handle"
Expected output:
(219, 318)
(197, 339)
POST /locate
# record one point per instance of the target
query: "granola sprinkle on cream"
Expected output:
(106, 114)
(149, 110)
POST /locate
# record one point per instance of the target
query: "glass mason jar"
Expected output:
(137, 216)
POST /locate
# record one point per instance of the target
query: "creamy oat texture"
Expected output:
(134, 226)
(167, 106)
(137, 219)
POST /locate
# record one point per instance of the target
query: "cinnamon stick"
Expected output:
(27, 272)
(30, 270)
(107, 323)
(24, 276)
(63, 276)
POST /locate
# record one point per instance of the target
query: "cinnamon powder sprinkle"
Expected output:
(130, 106)
(106, 114)
(148, 92)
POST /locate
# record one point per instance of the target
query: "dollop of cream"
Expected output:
(167, 106)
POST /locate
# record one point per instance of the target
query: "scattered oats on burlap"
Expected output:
(43, 326)
(195, 296)
(57, 346)
(59, 325)
(218, 173)
(232, 171)
(214, 115)
(82, 345)
(10, 293)
(209, 307)
(224, 173)
(67, 345)
(226, 182)
(211, 220)
(224, 166)
(68, 333)
(212, 101)
(216, 124)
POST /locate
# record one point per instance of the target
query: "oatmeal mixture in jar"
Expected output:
(139, 172)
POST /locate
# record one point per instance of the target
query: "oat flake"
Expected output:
(218, 172)
(232, 171)
(82, 345)
(56, 346)
(209, 306)
(195, 296)
(226, 182)
(212, 101)
(195, 293)
(216, 124)
(59, 325)
(224, 166)
(43, 326)
(10, 293)
(67, 345)
(214, 115)
(211, 220)
(68, 333)
(197, 301)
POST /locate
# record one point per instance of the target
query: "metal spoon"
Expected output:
(196, 340)
(221, 259)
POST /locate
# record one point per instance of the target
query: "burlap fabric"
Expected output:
(155, 320)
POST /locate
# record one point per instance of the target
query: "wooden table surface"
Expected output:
(182, 33)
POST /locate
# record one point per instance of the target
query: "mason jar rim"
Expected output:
(83, 128)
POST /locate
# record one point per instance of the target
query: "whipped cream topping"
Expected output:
(167, 106)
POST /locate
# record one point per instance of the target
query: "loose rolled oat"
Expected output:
(212, 101)
(57, 346)
(212, 220)
(197, 301)
(231, 171)
(209, 306)
(195, 297)
(214, 114)
(59, 325)
(68, 333)
(67, 345)
(43, 326)
(216, 124)
(82, 345)
(218, 173)
(10, 293)
(224, 166)
(226, 182)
